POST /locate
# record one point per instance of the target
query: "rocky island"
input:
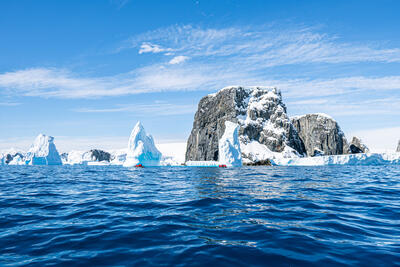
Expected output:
(265, 129)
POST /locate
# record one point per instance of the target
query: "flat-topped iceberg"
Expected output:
(141, 149)
(210, 163)
(350, 159)
(43, 152)
(229, 146)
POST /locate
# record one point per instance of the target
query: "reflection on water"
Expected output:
(195, 216)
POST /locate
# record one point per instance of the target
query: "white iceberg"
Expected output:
(17, 160)
(349, 159)
(141, 149)
(173, 154)
(91, 157)
(43, 152)
(203, 163)
(77, 157)
(118, 156)
(229, 146)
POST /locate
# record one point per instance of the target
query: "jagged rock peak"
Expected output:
(357, 146)
(321, 135)
(259, 112)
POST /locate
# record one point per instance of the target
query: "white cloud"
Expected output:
(178, 59)
(151, 48)
(159, 78)
(264, 45)
(219, 57)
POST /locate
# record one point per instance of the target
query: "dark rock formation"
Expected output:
(356, 146)
(266, 162)
(64, 156)
(9, 158)
(398, 147)
(320, 134)
(259, 112)
(100, 155)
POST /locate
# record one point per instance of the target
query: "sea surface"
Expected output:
(181, 216)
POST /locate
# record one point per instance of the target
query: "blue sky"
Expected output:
(86, 71)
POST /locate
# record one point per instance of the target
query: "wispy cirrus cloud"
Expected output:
(265, 46)
(64, 84)
(219, 57)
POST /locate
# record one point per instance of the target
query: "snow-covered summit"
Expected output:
(248, 89)
(141, 149)
(43, 152)
(319, 115)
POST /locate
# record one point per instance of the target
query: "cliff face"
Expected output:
(259, 112)
(321, 135)
(398, 147)
(357, 146)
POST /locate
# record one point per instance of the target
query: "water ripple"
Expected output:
(96, 215)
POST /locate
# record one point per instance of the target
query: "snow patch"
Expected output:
(254, 151)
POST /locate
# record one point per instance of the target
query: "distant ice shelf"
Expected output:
(350, 159)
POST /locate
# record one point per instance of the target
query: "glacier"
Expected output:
(229, 146)
(43, 152)
(141, 149)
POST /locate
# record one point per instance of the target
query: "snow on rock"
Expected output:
(18, 159)
(43, 152)
(357, 146)
(229, 146)
(12, 156)
(349, 159)
(257, 152)
(260, 113)
(141, 149)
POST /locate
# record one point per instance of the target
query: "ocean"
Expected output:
(182, 216)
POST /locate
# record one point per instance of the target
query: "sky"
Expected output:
(86, 71)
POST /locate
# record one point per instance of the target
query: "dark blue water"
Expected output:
(294, 216)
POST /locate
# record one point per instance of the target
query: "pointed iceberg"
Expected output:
(43, 152)
(141, 149)
(229, 146)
